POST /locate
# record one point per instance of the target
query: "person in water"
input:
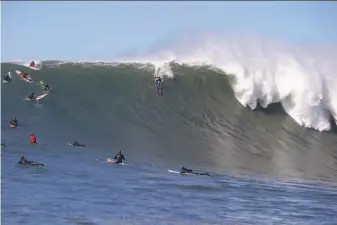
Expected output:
(32, 64)
(32, 139)
(31, 96)
(23, 74)
(24, 161)
(7, 77)
(119, 157)
(78, 144)
(44, 86)
(186, 171)
(14, 121)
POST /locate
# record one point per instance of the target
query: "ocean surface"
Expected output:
(265, 167)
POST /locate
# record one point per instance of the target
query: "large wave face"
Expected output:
(197, 122)
(302, 78)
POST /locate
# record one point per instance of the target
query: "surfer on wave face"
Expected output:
(32, 64)
(158, 81)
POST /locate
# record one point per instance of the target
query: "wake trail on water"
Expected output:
(302, 78)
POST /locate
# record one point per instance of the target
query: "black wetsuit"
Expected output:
(185, 170)
(31, 163)
(78, 144)
(159, 86)
(6, 78)
(14, 122)
(47, 88)
(31, 96)
(119, 158)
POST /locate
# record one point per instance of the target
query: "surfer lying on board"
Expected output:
(14, 121)
(78, 144)
(119, 157)
(31, 96)
(24, 161)
(7, 77)
(185, 171)
(23, 74)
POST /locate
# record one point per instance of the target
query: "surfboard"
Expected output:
(173, 171)
(41, 96)
(109, 160)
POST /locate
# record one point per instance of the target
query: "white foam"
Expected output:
(38, 64)
(302, 78)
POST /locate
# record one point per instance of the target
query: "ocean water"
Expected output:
(265, 167)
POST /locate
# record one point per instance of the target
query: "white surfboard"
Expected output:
(34, 68)
(41, 96)
(173, 171)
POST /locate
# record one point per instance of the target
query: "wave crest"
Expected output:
(301, 78)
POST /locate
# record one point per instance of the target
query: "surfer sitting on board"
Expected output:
(24, 161)
(78, 144)
(7, 77)
(14, 121)
(31, 96)
(119, 157)
(32, 139)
